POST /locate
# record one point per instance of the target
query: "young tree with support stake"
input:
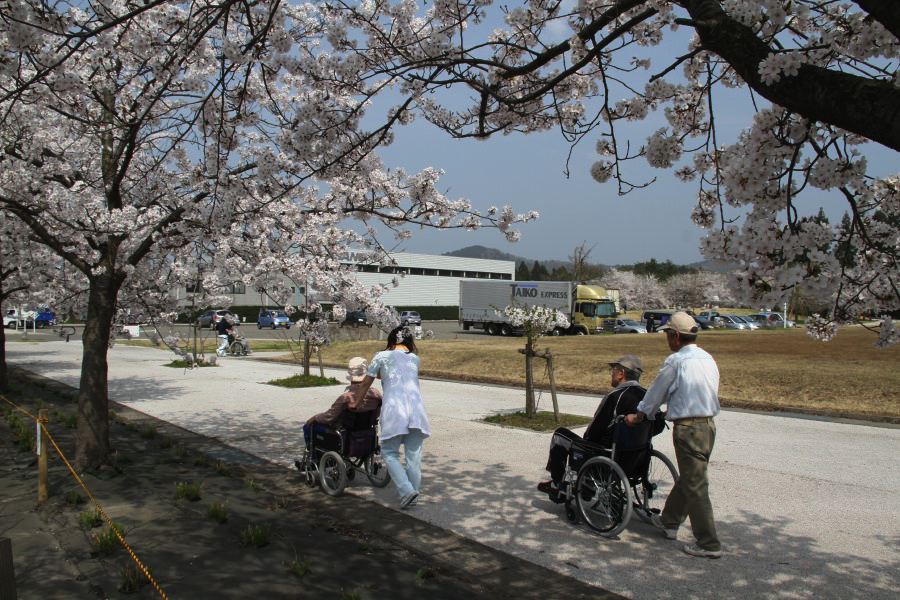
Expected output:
(535, 321)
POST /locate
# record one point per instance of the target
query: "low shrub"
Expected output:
(255, 535)
(218, 512)
(302, 381)
(187, 491)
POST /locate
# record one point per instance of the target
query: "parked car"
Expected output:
(273, 319)
(211, 317)
(410, 317)
(355, 318)
(771, 320)
(733, 322)
(629, 326)
(659, 317)
(705, 323)
(751, 323)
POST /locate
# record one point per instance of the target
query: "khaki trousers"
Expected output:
(694, 439)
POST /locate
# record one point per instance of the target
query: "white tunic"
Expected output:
(402, 408)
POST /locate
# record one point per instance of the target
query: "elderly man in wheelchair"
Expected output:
(341, 441)
(613, 472)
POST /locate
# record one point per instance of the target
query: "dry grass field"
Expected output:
(766, 370)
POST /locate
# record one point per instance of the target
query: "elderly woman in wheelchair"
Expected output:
(605, 486)
(341, 441)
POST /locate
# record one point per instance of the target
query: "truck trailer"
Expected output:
(481, 304)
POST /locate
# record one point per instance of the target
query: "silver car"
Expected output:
(751, 324)
(732, 322)
(629, 326)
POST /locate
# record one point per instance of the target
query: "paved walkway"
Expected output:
(806, 508)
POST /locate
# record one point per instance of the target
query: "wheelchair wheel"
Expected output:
(377, 471)
(332, 474)
(653, 490)
(236, 349)
(603, 496)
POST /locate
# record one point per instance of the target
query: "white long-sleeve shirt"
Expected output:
(688, 382)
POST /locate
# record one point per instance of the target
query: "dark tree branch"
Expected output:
(864, 106)
(886, 12)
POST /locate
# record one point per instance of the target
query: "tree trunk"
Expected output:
(529, 379)
(306, 354)
(92, 436)
(4, 373)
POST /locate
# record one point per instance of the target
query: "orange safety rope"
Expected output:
(102, 512)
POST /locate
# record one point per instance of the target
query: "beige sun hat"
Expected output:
(682, 323)
(356, 369)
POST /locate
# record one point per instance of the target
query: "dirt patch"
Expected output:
(213, 522)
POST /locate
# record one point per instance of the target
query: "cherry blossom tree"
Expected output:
(151, 144)
(697, 289)
(822, 78)
(639, 292)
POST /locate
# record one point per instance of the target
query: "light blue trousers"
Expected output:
(409, 478)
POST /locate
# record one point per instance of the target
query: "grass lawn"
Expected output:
(763, 369)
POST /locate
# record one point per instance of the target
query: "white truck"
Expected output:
(481, 304)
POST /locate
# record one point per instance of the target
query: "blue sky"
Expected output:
(527, 171)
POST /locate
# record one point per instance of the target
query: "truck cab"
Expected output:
(592, 307)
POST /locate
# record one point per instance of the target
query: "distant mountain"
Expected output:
(714, 266)
(484, 252)
(494, 254)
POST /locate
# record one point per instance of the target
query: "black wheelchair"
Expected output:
(333, 456)
(604, 487)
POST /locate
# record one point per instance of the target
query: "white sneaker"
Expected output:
(695, 550)
(409, 499)
(671, 534)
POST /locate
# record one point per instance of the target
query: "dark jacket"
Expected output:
(332, 416)
(223, 327)
(623, 400)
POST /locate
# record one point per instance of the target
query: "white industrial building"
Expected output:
(429, 280)
(425, 280)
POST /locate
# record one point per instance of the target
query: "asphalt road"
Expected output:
(440, 329)
(803, 505)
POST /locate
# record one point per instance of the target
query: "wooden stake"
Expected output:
(42, 457)
(549, 358)
(319, 356)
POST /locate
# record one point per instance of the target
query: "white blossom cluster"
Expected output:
(535, 320)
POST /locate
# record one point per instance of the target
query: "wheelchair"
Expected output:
(604, 487)
(333, 457)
